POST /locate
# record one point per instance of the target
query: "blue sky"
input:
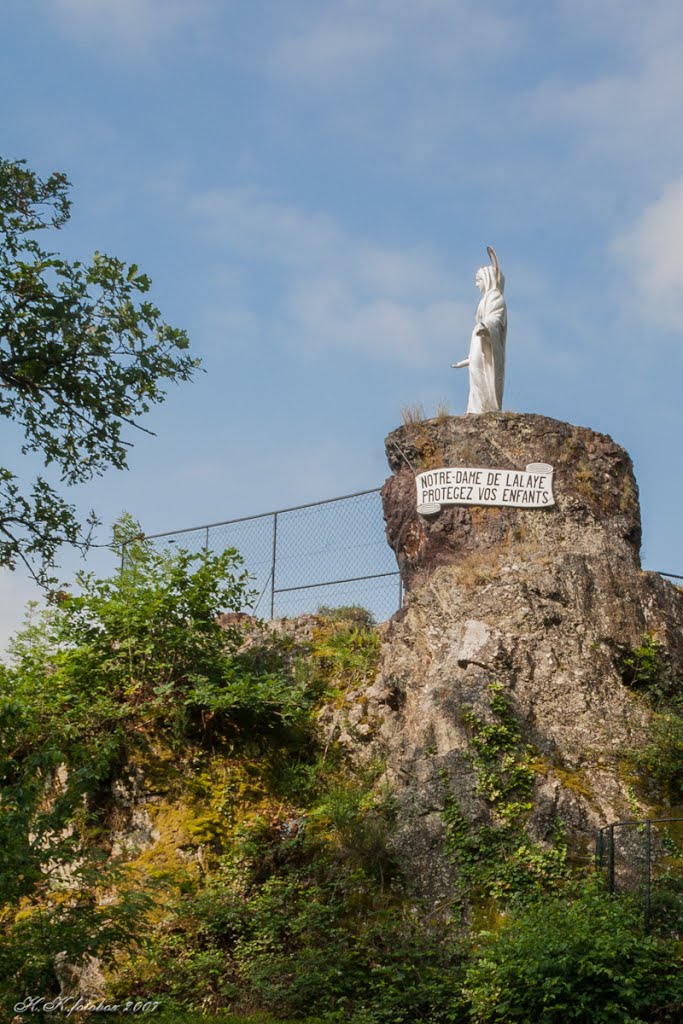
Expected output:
(311, 187)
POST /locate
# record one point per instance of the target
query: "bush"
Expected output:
(497, 859)
(583, 961)
(349, 613)
(338, 949)
(305, 918)
(130, 661)
(145, 649)
(659, 762)
(345, 653)
(644, 668)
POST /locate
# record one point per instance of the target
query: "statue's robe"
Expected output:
(487, 351)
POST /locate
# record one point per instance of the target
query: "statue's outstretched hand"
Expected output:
(463, 362)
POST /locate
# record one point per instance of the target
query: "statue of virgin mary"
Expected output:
(486, 360)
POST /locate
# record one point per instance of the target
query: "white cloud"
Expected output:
(333, 290)
(327, 313)
(399, 271)
(629, 112)
(328, 47)
(631, 105)
(248, 221)
(135, 25)
(342, 40)
(230, 318)
(651, 254)
(315, 471)
(638, 26)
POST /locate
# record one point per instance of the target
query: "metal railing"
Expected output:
(645, 858)
(332, 552)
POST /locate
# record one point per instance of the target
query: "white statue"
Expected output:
(487, 345)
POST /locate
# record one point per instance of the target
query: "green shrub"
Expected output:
(346, 654)
(584, 961)
(305, 919)
(659, 762)
(102, 675)
(354, 614)
(338, 950)
(498, 859)
(647, 670)
(177, 1016)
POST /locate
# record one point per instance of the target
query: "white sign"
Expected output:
(461, 485)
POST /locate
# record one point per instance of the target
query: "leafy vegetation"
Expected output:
(646, 670)
(314, 938)
(348, 613)
(83, 354)
(93, 683)
(498, 859)
(345, 651)
(658, 764)
(267, 890)
(568, 960)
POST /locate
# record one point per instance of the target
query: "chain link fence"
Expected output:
(326, 553)
(645, 859)
(329, 553)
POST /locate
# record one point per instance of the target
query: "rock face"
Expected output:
(597, 507)
(83, 980)
(544, 603)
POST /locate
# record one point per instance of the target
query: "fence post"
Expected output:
(599, 842)
(611, 860)
(648, 872)
(272, 568)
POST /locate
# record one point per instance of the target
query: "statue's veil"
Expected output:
(499, 277)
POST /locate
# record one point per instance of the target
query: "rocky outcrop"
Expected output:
(596, 509)
(543, 603)
(83, 980)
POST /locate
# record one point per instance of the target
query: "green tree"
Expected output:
(82, 356)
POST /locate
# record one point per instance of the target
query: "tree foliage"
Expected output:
(83, 354)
